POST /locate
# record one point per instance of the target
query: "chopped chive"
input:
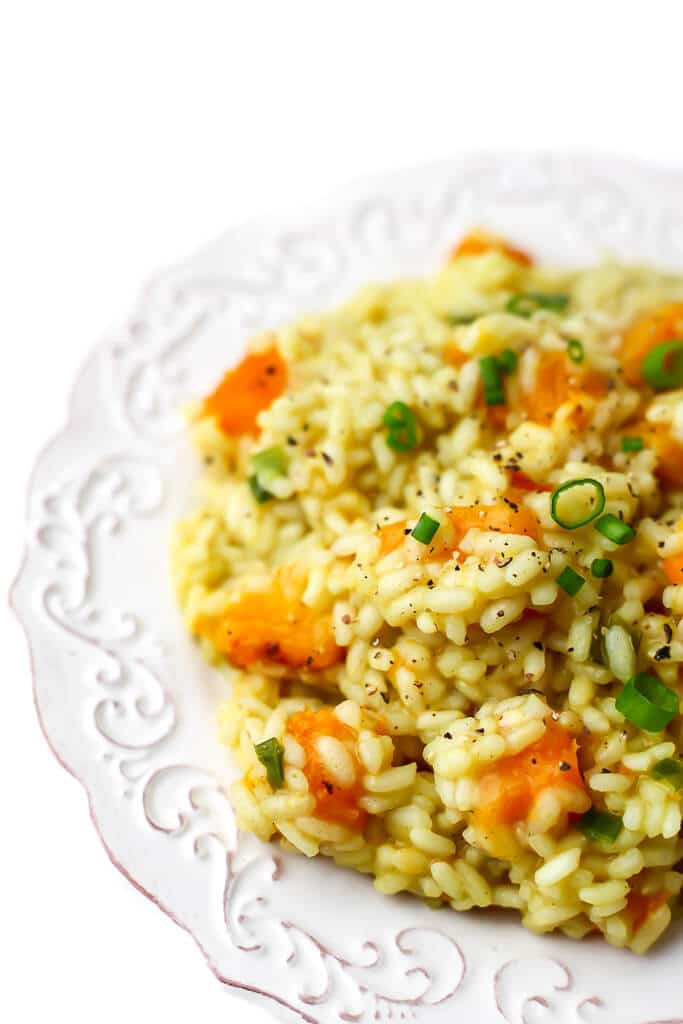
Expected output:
(507, 360)
(575, 350)
(270, 463)
(632, 444)
(401, 424)
(615, 529)
(490, 378)
(670, 770)
(600, 826)
(528, 303)
(570, 581)
(425, 528)
(647, 702)
(602, 568)
(267, 465)
(595, 503)
(662, 367)
(462, 319)
(269, 753)
(260, 494)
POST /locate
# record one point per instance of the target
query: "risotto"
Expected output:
(438, 548)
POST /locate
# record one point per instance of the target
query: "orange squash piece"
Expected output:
(479, 241)
(455, 357)
(244, 391)
(663, 324)
(392, 536)
(274, 626)
(332, 802)
(673, 568)
(669, 451)
(559, 381)
(504, 517)
(508, 791)
(641, 906)
(520, 483)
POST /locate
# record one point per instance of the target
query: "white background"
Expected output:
(133, 131)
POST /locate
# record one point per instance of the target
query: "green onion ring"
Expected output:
(269, 753)
(615, 529)
(600, 826)
(570, 581)
(662, 367)
(491, 382)
(670, 770)
(401, 423)
(647, 702)
(527, 303)
(567, 524)
(575, 350)
(425, 528)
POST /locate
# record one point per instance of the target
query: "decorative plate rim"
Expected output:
(286, 218)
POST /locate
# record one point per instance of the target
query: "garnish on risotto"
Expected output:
(439, 551)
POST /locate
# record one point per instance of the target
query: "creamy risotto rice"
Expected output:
(438, 548)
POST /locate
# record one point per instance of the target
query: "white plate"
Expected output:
(128, 705)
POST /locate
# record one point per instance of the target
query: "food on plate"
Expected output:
(438, 548)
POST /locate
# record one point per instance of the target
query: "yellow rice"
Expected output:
(445, 672)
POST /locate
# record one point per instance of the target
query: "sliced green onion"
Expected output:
(662, 367)
(647, 702)
(259, 493)
(620, 652)
(601, 568)
(593, 506)
(615, 529)
(462, 319)
(269, 753)
(269, 464)
(575, 350)
(670, 770)
(570, 581)
(528, 302)
(490, 378)
(632, 444)
(507, 360)
(402, 435)
(600, 826)
(425, 528)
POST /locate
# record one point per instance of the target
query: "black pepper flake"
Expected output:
(328, 786)
(538, 645)
(564, 766)
(448, 735)
(327, 459)
(663, 654)
(292, 441)
(385, 697)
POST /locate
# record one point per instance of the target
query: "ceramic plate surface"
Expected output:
(127, 703)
